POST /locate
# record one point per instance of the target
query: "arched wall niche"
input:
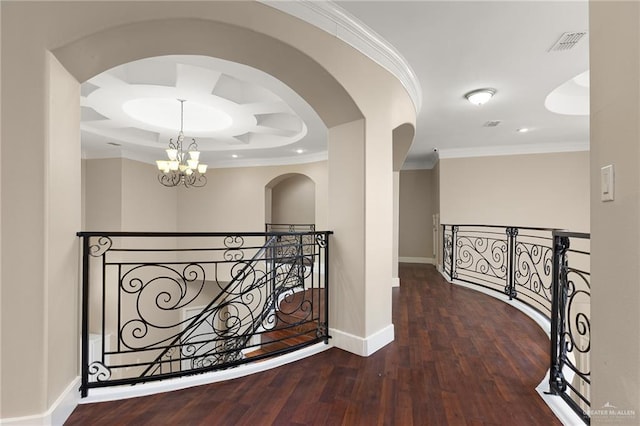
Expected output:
(291, 199)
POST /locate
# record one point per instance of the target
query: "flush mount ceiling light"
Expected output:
(480, 96)
(523, 130)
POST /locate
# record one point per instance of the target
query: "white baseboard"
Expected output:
(57, 414)
(395, 282)
(151, 388)
(561, 409)
(362, 346)
(427, 260)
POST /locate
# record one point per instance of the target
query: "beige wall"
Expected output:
(293, 200)
(615, 226)
(435, 191)
(396, 227)
(63, 219)
(417, 207)
(124, 195)
(234, 198)
(347, 265)
(147, 205)
(102, 186)
(537, 190)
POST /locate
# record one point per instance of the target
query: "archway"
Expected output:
(290, 199)
(335, 80)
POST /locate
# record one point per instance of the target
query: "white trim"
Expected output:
(329, 17)
(491, 151)
(57, 414)
(151, 388)
(562, 411)
(362, 346)
(395, 282)
(224, 164)
(427, 260)
(427, 163)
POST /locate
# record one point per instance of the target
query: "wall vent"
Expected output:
(567, 41)
(491, 123)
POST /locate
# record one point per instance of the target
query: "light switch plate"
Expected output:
(607, 181)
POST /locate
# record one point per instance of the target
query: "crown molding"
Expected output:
(217, 164)
(333, 19)
(424, 164)
(491, 151)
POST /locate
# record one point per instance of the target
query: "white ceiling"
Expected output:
(238, 115)
(453, 48)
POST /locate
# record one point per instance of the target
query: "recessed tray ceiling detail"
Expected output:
(229, 107)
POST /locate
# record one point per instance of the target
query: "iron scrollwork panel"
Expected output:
(481, 257)
(233, 293)
(533, 274)
(447, 243)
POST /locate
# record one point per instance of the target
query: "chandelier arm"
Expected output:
(184, 175)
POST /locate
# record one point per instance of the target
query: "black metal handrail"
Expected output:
(570, 372)
(536, 267)
(202, 316)
(289, 227)
(166, 304)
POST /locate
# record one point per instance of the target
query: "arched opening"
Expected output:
(322, 69)
(290, 199)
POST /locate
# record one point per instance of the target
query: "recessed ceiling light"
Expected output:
(234, 156)
(523, 130)
(480, 96)
(299, 151)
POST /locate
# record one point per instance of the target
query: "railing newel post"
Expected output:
(85, 318)
(326, 287)
(512, 233)
(558, 304)
(454, 233)
(444, 251)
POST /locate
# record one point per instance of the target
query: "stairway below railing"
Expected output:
(166, 305)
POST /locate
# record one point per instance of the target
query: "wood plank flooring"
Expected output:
(459, 358)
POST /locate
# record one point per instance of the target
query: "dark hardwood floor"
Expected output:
(459, 358)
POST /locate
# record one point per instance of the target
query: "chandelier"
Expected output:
(183, 166)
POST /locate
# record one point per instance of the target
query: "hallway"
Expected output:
(459, 358)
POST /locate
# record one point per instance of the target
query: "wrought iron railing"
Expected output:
(570, 371)
(536, 267)
(290, 227)
(285, 238)
(163, 305)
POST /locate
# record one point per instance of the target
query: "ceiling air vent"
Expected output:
(567, 41)
(492, 123)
